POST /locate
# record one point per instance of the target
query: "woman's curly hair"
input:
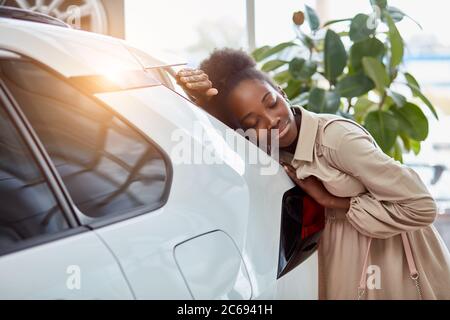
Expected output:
(226, 68)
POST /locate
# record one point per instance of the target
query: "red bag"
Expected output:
(313, 217)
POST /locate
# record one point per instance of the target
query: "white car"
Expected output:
(93, 203)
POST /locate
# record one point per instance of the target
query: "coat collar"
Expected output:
(307, 137)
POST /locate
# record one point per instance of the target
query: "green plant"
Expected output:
(357, 73)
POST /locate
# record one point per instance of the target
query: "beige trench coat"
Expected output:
(387, 199)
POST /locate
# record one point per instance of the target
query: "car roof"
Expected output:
(71, 52)
(28, 15)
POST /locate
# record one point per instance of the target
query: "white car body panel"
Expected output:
(51, 271)
(205, 255)
(233, 197)
(300, 283)
(223, 199)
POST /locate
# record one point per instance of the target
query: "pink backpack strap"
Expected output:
(363, 279)
(414, 274)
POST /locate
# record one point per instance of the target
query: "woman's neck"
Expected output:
(298, 122)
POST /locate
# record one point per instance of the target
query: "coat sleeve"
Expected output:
(396, 200)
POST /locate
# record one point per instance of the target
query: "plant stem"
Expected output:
(383, 99)
(350, 106)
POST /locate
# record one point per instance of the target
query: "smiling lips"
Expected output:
(283, 130)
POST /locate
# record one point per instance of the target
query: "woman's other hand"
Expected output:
(196, 84)
(316, 190)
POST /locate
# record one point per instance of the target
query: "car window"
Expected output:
(28, 207)
(108, 167)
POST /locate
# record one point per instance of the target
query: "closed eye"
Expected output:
(253, 124)
(272, 105)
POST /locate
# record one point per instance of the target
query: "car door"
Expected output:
(113, 176)
(44, 253)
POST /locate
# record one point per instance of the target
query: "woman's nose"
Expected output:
(274, 122)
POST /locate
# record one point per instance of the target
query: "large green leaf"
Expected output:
(295, 66)
(308, 70)
(368, 48)
(377, 72)
(321, 101)
(425, 100)
(398, 99)
(406, 141)
(282, 77)
(415, 146)
(417, 93)
(302, 69)
(312, 18)
(396, 41)
(354, 85)
(412, 121)
(293, 89)
(273, 65)
(307, 41)
(301, 100)
(266, 51)
(257, 53)
(398, 153)
(396, 14)
(359, 30)
(362, 107)
(411, 80)
(383, 126)
(335, 56)
(329, 23)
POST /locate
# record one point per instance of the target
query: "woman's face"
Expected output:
(255, 104)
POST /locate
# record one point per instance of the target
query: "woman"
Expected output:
(378, 241)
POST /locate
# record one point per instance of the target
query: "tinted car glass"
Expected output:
(108, 167)
(28, 207)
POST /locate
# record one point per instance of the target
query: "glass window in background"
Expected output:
(273, 20)
(189, 29)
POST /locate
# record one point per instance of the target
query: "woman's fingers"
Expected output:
(311, 185)
(194, 78)
(290, 169)
(199, 86)
(291, 172)
(187, 72)
(291, 175)
(289, 166)
(191, 75)
(212, 92)
(197, 82)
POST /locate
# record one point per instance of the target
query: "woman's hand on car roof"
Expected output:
(196, 84)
